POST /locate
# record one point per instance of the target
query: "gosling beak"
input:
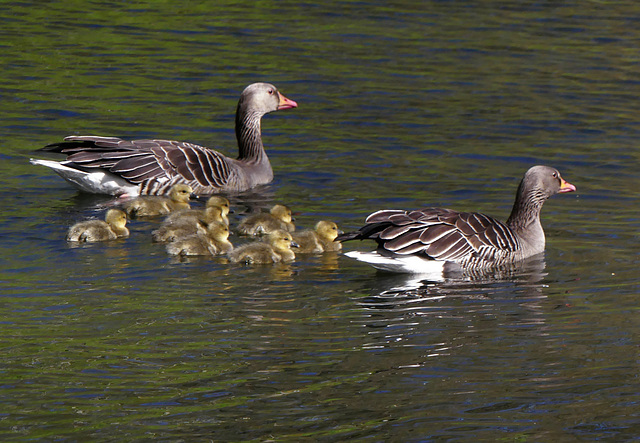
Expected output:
(294, 245)
(566, 186)
(340, 232)
(286, 103)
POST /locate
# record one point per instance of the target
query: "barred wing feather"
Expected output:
(440, 234)
(154, 163)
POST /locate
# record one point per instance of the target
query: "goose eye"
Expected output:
(555, 175)
(270, 91)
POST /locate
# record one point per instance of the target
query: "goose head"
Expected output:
(541, 182)
(262, 98)
(538, 184)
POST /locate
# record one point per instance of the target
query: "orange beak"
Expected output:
(566, 186)
(285, 103)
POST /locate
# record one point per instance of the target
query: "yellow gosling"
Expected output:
(216, 209)
(279, 217)
(276, 248)
(319, 240)
(214, 241)
(188, 223)
(151, 206)
(112, 228)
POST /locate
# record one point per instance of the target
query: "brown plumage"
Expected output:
(110, 165)
(112, 228)
(412, 241)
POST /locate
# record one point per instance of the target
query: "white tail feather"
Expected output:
(95, 182)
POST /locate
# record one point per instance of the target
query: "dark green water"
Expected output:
(401, 105)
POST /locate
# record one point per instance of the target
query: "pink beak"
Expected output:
(285, 103)
(566, 186)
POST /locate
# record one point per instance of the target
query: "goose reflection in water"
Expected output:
(441, 317)
(527, 274)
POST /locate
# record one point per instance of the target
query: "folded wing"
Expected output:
(439, 234)
(154, 164)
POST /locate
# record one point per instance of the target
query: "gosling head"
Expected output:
(217, 201)
(327, 230)
(116, 218)
(218, 231)
(283, 213)
(180, 193)
(215, 214)
(281, 240)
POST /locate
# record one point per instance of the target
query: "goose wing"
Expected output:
(437, 233)
(155, 164)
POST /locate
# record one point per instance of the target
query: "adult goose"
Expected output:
(110, 165)
(436, 240)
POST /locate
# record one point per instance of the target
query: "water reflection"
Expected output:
(388, 285)
(400, 307)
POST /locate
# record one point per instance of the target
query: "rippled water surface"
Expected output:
(401, 105)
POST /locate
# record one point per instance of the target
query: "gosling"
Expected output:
(216, 204)
(174, 228)
(319, 240)
(279, 217)
(276, 248)
(151, 206)
(112, 228)
(214, 241)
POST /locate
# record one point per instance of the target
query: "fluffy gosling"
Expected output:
(279, 217)
(214, 241)
(173, 228)
(276, 248)
(112, 228)
(216, 209)
(318, 240)
(151, 206)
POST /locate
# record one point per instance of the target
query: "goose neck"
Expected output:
(249, 135)
(525, 215)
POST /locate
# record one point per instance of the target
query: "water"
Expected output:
(402, 105)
